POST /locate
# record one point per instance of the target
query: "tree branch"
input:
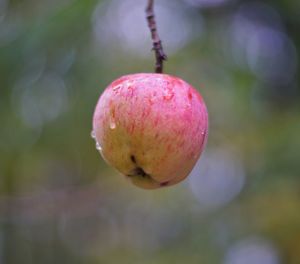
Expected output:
(157, 45)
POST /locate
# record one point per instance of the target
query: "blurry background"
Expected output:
(59, 201)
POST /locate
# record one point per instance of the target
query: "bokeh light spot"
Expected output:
(217, 178)
(124, 23)
(252, 250)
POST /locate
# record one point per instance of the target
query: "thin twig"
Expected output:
(157, 46)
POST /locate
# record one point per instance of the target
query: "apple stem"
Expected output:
(157, 45)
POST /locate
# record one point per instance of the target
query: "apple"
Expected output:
(151, 127)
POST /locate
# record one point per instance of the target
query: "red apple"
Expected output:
(151, 127)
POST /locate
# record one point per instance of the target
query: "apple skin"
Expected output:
(151, 127)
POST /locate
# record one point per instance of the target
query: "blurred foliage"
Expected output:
(59, 201)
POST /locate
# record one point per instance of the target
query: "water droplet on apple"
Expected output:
(129, 84)
(93, 134)
(98, 147)
(112, 123)
(168, 94)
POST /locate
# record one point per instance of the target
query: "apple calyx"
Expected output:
(139, 172)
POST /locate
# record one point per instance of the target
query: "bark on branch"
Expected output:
(157, 45)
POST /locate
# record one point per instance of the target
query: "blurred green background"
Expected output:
(59, 201)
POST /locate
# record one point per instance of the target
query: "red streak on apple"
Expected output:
(151, 127)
